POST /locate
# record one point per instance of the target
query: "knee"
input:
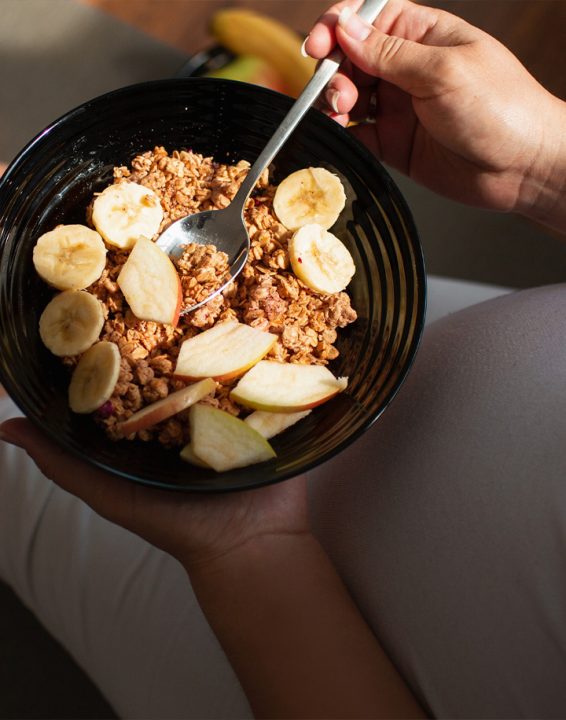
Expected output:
(505, 357)
(486, 396)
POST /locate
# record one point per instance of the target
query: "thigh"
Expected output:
(451, 534)
(123, 609)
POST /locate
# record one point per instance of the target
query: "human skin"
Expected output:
(455, 110)
(286, 622)
(291, 655)
(237, 548)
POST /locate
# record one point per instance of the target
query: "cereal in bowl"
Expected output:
(219, 381)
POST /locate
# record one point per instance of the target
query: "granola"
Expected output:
(266, 295)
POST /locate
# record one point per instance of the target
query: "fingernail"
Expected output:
(353, 25)
(304, 53)
(333, 96)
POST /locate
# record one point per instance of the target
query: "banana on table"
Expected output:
(248, 33)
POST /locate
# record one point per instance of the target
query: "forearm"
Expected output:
(294, 636)
(543, 196)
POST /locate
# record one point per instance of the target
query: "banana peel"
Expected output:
(246, 32)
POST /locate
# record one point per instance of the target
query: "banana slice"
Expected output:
(312, 195)
(70, 257)
(124, 212)
(94, 378)
(71, 322)
(320, 259)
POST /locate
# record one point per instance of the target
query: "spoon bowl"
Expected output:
(226, 229)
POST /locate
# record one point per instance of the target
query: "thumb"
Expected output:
(107, 495)
(418, 69)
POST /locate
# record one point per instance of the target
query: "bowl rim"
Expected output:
(375, 166)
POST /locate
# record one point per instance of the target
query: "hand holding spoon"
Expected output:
(226, 229)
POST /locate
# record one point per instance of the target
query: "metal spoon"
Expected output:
(226, 229)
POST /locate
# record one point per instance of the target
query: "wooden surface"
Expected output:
(535, 30)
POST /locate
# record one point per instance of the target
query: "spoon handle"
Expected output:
(324, 73)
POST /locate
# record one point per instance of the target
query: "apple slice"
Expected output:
(286, 387)
(225, 442)
(270, 424)
(165, 408)
(189, 455)
(224, 352)
(150, 284)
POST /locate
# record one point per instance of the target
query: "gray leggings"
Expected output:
(447, 521)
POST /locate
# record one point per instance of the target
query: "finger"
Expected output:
(419, 69)
(341, 94)
(322, 37)
(365, 108)
(392, 134)
(107, 495)
(399, 17)
(341, 119)
(427, 25)
(138, 509)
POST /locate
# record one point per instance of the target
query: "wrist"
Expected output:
(212, 529)
(293, 635)
(543, 191)
(254, 555)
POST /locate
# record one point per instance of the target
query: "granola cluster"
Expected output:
(266, 295)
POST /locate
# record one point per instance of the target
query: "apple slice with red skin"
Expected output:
(225, 442)
(270, 424)
(286, 387)
(267, 424)
(223, 352)
(167, 407)
(151, 284)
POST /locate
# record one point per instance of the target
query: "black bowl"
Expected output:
(52, 180)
